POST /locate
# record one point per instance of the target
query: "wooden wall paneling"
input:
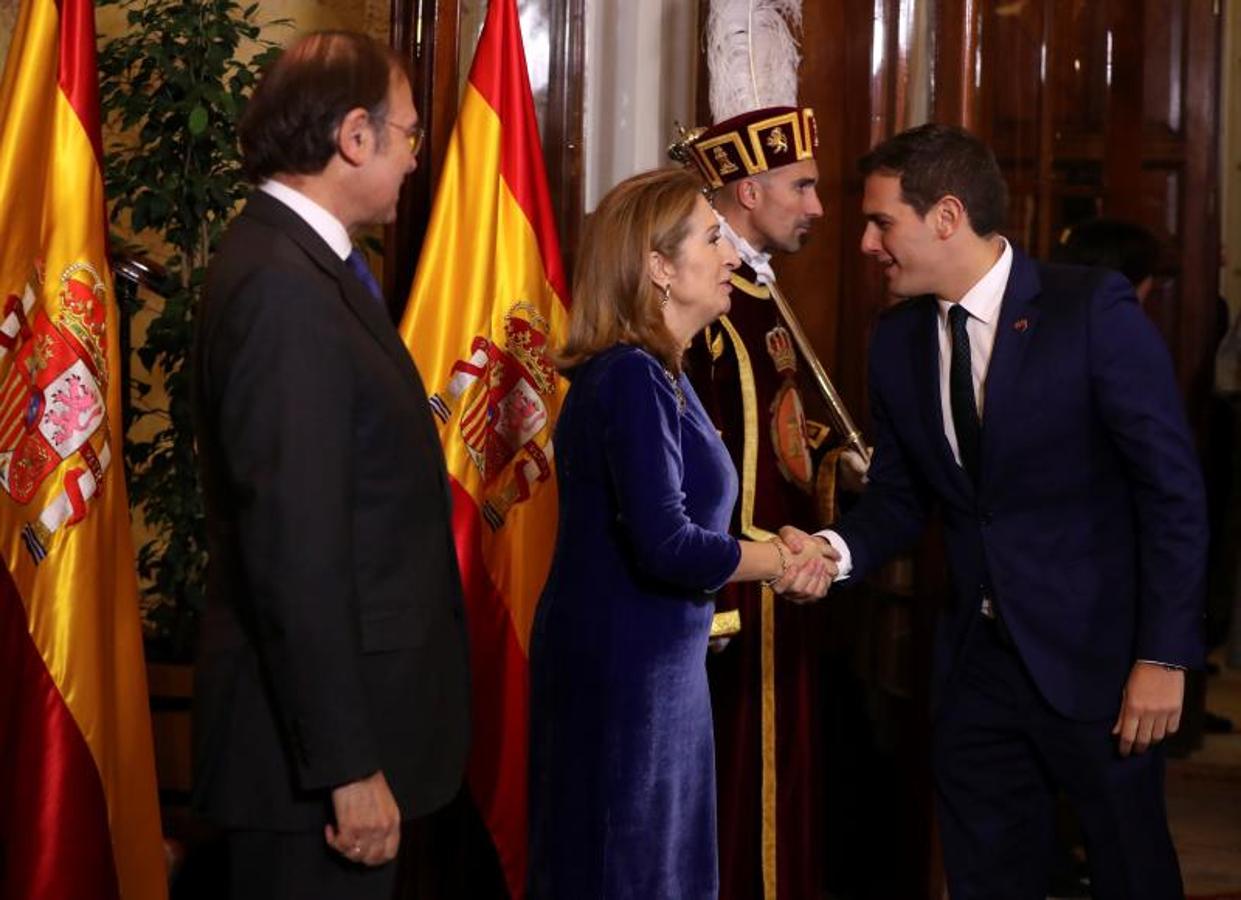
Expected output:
(881, 52)
(1163, 154)
(876, 78)
(1075, 93)
(1122, 188)
(1195, 350)
(901, 69)
(1163, 131)
(1079, 33)
(903, 64)
(702, 78)
(425, 33)
(810, 278)
(1163, 46)
(1125, 124)
(1045, 173)
(916, 53)
(958, 29)
(1163, 146)
(1229, 164)
(1015, 111)
(562, 138)
(864, 111)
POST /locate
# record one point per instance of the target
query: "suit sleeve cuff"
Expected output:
(845, 566)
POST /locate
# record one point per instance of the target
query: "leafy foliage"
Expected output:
(172, 88)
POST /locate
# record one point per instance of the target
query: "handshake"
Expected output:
(811, 564)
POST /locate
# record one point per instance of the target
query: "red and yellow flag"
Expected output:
(79, 815)
(489, 294)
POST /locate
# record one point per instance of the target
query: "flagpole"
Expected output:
(836, 407)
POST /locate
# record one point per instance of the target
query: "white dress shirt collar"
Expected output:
(983, 300)
(326, 225)
(757, 260)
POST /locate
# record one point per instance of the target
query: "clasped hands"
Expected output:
(812, 565)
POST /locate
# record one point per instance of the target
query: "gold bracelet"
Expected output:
(784, 563)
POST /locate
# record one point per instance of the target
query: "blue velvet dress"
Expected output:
(622, 786)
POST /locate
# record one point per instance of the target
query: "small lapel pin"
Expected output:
(1021, 325)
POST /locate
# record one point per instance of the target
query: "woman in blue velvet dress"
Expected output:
(622, 793)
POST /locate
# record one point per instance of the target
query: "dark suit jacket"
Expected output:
(1088, 523)
(333, 643)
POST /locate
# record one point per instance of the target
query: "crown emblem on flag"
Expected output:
(53, 376)
(504, 419)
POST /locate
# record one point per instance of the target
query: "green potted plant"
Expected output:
(173, 85)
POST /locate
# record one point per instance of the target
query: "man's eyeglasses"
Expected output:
(413, 134)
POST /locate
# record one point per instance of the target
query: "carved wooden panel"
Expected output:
(1102, 107)
(438, 38)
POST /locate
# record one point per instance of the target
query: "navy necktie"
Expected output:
(961, 392)
(356, 263)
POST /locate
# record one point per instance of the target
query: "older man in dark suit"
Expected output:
(1036, 409)
(332, 687)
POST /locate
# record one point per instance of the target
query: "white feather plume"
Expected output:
(752, 55)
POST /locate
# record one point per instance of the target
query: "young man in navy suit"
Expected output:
(1035, 409)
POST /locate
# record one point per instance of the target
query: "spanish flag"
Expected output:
(79, 815)
(488, 301)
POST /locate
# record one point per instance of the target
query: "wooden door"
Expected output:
(1103, 107)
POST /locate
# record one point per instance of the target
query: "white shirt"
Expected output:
(982, 302)
(326, 225)
(757, 260)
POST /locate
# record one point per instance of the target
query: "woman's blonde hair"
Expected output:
(614, 299)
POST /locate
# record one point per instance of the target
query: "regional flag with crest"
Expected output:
(488, 301)
(79, 814)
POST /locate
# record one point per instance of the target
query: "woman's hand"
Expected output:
(796, 565)
(811, 567)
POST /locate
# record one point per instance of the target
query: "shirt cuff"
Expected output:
(1155, 662)
(845, 565)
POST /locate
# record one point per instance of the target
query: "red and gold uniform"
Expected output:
(766, 685)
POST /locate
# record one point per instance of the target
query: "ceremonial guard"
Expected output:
(756, 374)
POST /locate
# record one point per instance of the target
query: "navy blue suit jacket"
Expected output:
(1088, 523)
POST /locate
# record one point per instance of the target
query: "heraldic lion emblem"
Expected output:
(53, 416)
(502, 394)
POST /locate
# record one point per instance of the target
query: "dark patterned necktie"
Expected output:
(961, 392)
(356, 263)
